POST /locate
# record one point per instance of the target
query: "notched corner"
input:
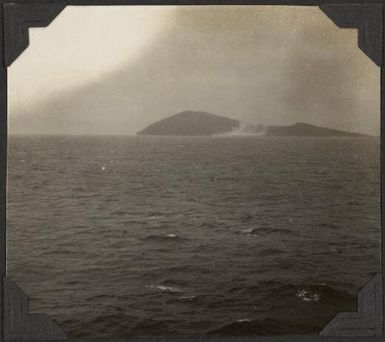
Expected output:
(19, 324)
(367, 19)
(18, 18)
(368, 319)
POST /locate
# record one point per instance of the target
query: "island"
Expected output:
(302, 129)
(194, 123)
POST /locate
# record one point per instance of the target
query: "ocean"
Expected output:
(154, 236)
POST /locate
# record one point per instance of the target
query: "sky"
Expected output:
(117, 69)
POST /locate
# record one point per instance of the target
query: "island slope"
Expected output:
(192, 123)
(302, 129)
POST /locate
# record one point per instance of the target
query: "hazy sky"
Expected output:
(114, 70)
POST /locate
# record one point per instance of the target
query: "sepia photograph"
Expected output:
(193, 170)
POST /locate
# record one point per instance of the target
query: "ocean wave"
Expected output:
(247, 231)
(308, 296)
(322, 293)
(167, 237)
(264, 231)
(182, 299)
(155, 327)
(164, 288)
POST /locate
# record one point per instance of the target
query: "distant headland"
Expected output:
(193, 123)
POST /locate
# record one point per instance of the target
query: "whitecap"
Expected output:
(247, 231)
(243, 320)
(165, 288)
(308, 296)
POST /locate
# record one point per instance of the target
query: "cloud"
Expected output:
(259, 64)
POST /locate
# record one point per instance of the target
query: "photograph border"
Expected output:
(16, 324)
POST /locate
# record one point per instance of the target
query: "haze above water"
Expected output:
(145, 63)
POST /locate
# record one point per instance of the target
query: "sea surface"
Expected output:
(123, 236)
